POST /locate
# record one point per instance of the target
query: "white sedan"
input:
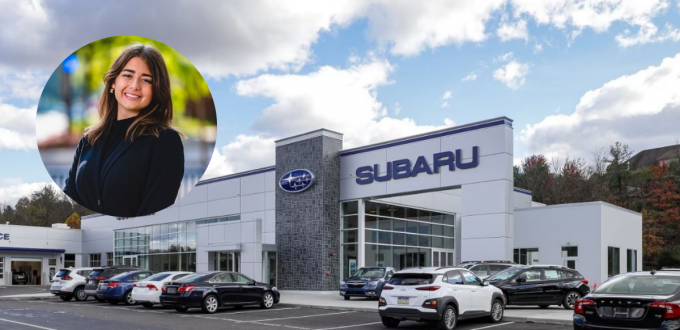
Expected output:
(148, 291)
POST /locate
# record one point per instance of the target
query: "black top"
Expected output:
(126, 178)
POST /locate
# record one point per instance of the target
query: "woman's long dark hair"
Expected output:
(151, 120)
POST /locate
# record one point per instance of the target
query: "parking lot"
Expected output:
(59, 315)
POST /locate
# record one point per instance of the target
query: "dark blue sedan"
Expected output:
(119, 288)
(367, 282)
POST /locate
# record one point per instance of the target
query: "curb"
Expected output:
(515, 319)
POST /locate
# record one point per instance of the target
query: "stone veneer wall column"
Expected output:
(308, 222)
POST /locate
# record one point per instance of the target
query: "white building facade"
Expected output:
(434, 199)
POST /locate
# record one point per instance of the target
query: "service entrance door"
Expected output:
(443, 258)
(2, 271)
(130, 261)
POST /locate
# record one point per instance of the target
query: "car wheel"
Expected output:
(127, 298)
(267, 300)
(80, 294)
(182, 309)
(147, 305)
(543, 306)
(569, 300)
(210, 304)
(346, 297)
(66, 298)
(497, 310)
(390, 322)
(449, 319)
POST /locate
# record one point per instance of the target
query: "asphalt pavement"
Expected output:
(22, 289)
(59, 315)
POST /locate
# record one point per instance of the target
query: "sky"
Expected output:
(575, 76)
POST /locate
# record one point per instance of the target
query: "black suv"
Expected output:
(19, 277)
(486, 268)
(99, 274)
(639, 300)
(541, 285)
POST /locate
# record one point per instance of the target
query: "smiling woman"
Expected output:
(131, 162)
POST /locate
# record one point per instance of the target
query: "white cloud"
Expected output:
(641, 109)
(574, 16)
(397, 109)
(513, 74)
(21, 83)
(342, 100)
(447, 95)
(470, 77)
(12, 189)
(445, 104)
(512, 30)
(49, 124)
(504, 57)
(17, 128)
(648, 34)
(538, 48)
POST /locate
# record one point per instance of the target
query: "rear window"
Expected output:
(96, 272)
(195, 278)
(506, 274)
(158, 277)
(63, 273)
(641, 285)
(411, 279)
(370, 272)
(120, 276)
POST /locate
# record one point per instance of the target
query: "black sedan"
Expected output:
(541, 285)
(640, 300)
(211, 290)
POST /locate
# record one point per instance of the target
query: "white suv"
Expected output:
(70, 283)
(439, 295)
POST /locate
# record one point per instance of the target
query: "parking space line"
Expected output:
(350, 326)
(493, 326)
(282, 326)
(294, 317)
(28, 325)
(264, 310)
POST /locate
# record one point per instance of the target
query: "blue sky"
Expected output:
(573, 75)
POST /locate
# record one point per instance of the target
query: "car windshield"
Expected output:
(411, 279)
(466, 266)
(505, 274)
(641, 285)
(158, 277)
(370, 272)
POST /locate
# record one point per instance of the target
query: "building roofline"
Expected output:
(236, 175)
(600, 203)
(429, 135)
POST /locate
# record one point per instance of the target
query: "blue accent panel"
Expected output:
(236, 176)
(18, 249)
(522, 191)
(427, 137)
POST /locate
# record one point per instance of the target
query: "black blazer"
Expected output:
(139, 178)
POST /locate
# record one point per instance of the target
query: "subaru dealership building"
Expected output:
(321, 212)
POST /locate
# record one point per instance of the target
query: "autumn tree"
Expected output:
(73, 221)
(661, 217)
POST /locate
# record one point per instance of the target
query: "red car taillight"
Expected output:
(387, 287)
(187, 288)
(672, 311)
(382, 302)
(66, 278)
(429, 288)
(152, 287)
(113, 284)
(101, 278)
(580, 303)
(584, 281)
(163, 289)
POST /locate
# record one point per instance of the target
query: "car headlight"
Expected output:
(373, 283)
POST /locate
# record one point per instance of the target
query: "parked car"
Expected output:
(19, 277)
(104, 273)
(638, 300)
(69, 283)
(486, 268)
(210, 290)
(366, 282)
(148, 291)
(119, 288)
(440, 296)
(541, 285)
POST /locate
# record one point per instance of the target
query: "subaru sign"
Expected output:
(296, 181)
(402, 168)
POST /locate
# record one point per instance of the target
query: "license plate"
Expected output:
(172, 290)
(402, 301)
(103, 286)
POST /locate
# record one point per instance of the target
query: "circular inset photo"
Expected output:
(126, 126)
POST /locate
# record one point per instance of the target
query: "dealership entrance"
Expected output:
(26, 271)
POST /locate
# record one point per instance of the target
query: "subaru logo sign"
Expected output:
(296, 181)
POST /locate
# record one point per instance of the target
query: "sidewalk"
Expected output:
(333, 300)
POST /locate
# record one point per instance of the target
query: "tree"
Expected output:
(661, 217)
(73, 221)
(535, 175)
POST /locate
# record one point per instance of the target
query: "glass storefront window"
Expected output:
(425, 228)
(384, 224)
(398, 239)
(384, 237)
(398, 225)
(351, 221)
(398, 212)
(371, 208)
(371, 236)
(164, 229)
(191, 226)
(173, 228)
(424, 215)
(385, 210)
(371, 222)
(350, 208)
(349, 236)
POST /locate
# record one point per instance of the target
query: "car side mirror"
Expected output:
(485, 283)
(253, 282)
